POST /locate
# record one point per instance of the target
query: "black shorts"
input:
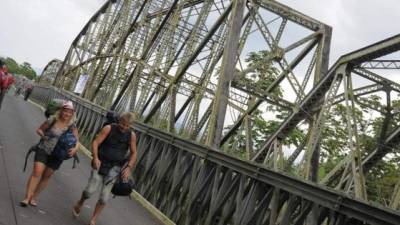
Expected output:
(46, 159)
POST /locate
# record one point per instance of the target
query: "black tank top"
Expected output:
(115, 147)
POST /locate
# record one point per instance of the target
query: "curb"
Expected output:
(135, 195)
(37, 105)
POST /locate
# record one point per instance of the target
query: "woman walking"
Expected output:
(45, 163)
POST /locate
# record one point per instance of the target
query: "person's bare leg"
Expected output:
(97, 210)
(78, 205)
(2, 94)
(48, 172)
(91, 187)
(33, 181)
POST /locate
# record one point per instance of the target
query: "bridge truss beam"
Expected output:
(185, 67)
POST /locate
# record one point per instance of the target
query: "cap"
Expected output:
(68, 105)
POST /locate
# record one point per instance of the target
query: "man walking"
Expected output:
(28, 90)
(113, 149)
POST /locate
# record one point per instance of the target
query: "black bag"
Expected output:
(121, 188)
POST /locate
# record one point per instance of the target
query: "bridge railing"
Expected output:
(193, 184)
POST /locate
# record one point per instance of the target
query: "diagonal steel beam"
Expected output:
(314, 98)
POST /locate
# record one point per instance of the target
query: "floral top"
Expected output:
(53, 135)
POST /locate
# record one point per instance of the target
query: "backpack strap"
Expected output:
(76, 161)
(31, 149)
(51, 124)
(118, 175)
(76, 158)
(35, 147)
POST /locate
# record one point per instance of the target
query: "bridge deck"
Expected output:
(18, 121)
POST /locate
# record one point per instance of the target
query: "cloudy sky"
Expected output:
(38, 31)
(355, 23)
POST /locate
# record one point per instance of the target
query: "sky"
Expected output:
(38, 31)
(355, 23)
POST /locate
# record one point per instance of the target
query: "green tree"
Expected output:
(12, 65)
(256, 78)
(382, 177)
(259, 74)
(24, 69)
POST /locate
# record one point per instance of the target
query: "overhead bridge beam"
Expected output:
(381, 64)
(316, 96)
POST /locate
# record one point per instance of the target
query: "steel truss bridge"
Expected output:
(185, 68)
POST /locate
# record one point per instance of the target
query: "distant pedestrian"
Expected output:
(19, 85)
(28, 90)
(110, 156)
(46, 162)
(6, 80)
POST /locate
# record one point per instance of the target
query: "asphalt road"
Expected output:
(18, 122)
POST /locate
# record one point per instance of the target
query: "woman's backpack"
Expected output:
(66, 141)
(53, 106)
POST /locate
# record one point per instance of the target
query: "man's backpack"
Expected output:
(53, 106)
(111, 117)
(66, 141)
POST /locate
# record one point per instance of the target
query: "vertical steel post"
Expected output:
(227, 72)
(357, 171)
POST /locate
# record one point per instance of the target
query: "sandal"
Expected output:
(24, 203)
(75, 212)
(33, 203)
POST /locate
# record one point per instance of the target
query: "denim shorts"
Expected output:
(97, 181)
